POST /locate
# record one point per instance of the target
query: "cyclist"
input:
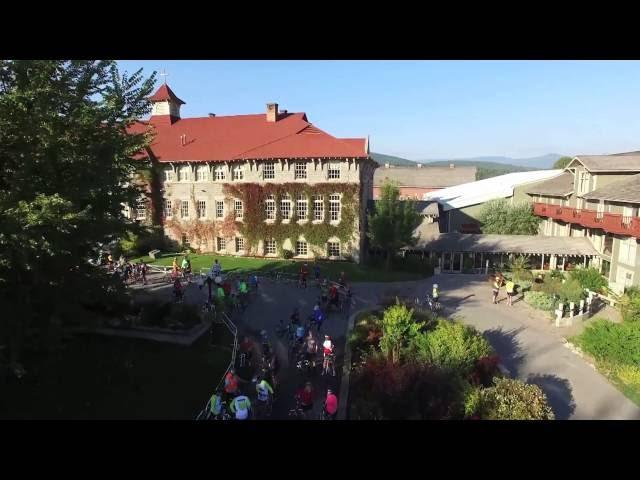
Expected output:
(327, 346)
(178, 291)
(266, 345)
(311, 346)
(510, 288)
(263, 389)
(435, 292)
(324, 292)
(497, 283)
(342, 280)
(231, 383)
(304, 271)
(220, 292)
(333, 296)
(316, 272)
(216, 404)
(318, 316)
(174, 265)
(304, 397)
(209, 282)
(247, 347)
(143, 270)
(253, 282)
(241, 406)
(295, 316)
(242, 287)
(330, 408)
(216, 268)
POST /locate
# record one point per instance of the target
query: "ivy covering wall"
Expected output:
(254, 228)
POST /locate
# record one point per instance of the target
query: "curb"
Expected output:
(346, 368)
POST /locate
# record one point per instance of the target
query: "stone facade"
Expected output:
(200, 185)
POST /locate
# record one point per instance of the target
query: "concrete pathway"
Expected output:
(531, 348)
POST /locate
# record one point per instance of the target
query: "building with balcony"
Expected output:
(597, 197)
(258, 185)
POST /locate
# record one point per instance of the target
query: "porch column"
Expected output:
(564, 262)
(461, 261)
(451, 261)
(481, 259)
(584, 261)
(553, 262)
(542, 264)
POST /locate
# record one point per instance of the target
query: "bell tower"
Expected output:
(165, 105)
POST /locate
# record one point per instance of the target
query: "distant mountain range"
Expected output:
(519, 164)
(487, 166)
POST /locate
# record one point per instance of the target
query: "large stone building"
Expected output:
(414, 182)
(597, 197)
(255, 184)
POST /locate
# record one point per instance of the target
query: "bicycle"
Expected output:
(297, 412)
(264, 408)
(329, 365)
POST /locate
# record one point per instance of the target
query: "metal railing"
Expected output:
(234, 331)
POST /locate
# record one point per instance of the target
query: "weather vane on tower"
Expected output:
(165, 75)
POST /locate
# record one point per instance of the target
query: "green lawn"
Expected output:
(354, 272)
(97, 377)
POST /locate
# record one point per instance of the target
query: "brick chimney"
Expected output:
(272, 112)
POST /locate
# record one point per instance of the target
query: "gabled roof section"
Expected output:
(560, 186)
(620, 162)
(246, 137)
(164, 93)
(625, 190)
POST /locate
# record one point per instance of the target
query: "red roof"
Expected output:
(165, 93)
(245, 137)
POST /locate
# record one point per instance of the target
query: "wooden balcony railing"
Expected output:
(609, 222)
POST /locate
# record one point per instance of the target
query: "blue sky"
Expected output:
(430, 109)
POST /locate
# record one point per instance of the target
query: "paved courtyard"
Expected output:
(531, 348)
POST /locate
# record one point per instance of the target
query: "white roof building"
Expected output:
(481, 191)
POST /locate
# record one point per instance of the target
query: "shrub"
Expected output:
(182, 315)
(403, 391)
(628, 375)
(398, 331)
(514, 400)
(154, 313)
(555, 275)
(589, 278)
(571, 291)
(525, 285)
(630, 305)
(614, 343)
(472, 399)
(540, 300)
(452, 346)
(366, 334)
(287, 254)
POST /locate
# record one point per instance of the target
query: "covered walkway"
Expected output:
(459, 252)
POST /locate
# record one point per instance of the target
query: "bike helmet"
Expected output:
(435, 285)
(327, 337)
(329, 391)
